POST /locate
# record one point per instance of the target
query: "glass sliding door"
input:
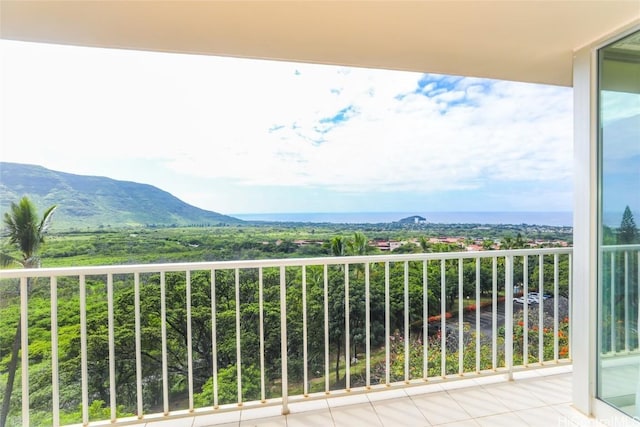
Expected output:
(619, 213)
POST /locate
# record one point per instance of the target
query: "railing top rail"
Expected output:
(266, 263)
(611, 248)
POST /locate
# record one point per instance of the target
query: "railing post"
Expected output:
(24, 346)
(570, 280)
(189, 340)
(494, 313)
(163, 333)
(138, 338)
(626, 302)
(238, 336)
(304, 333)
(326, 326)
(443, 317)
(525, 310)
(347, 338)
(283, 340)
(407, 352)
(556, 297)
(612, 303)
(478, 312)
(214, 339)
(541, 309)
(387, 323)
(55, 382)
(425, 320)
(508, 315)
(638, 290)
(367, 312)
(84, 370)
(112, 349)
(263, 395)
(460, 316)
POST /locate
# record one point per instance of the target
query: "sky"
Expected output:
(252, 136)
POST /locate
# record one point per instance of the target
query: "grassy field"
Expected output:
(254, 241)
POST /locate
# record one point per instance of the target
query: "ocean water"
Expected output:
(490, 218)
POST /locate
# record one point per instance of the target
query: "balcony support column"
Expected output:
(584, 301)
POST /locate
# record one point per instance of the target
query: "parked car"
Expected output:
(532, 298)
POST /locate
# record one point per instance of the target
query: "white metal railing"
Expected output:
(179, 336)
(619, 290)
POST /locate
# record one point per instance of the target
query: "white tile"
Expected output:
(231, 417)
(618, 421)
(308, 405)
(226, 425)
(320, 418)
(458, 384)
(464, 423)
(555, 370)
(570, 416)
(355, 415)
(173, 422)
(423, 389)
(386, 395)
(353, 399)
(552, 390)
(490, 379)
(440, 408)
(513, 396)
(477, 402)
(544, 416)
(543, 400)
(280, 421)
(399, 412)
(508, 419)
(559, 378)
(263, 412)
(527, 374)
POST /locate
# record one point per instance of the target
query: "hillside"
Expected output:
(94, 202)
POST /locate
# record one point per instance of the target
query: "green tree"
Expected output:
(26, 233)
(628, 233)
(359, 245)
(338, 246)
(424, 244)
(507, 243)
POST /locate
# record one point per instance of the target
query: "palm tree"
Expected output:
(507, 243)
(359, 245)
(26, 234)
(338, 246)
(424, 244)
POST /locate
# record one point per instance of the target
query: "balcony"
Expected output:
(217, 342)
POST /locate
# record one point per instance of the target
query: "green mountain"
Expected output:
(94, 202)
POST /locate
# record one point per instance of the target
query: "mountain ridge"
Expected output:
(86, 201)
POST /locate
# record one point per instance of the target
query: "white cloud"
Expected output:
(261, 123)
(417, 143)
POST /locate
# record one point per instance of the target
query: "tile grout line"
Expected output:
(553, 380)
(405, 395)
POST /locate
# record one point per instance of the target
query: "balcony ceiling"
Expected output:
(530, 41)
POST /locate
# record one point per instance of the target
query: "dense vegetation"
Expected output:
(259, 241)
(150, 245)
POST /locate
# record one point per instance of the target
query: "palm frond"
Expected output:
(7, 260)
(46, 219)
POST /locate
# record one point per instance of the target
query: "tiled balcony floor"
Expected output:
(535, 398)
